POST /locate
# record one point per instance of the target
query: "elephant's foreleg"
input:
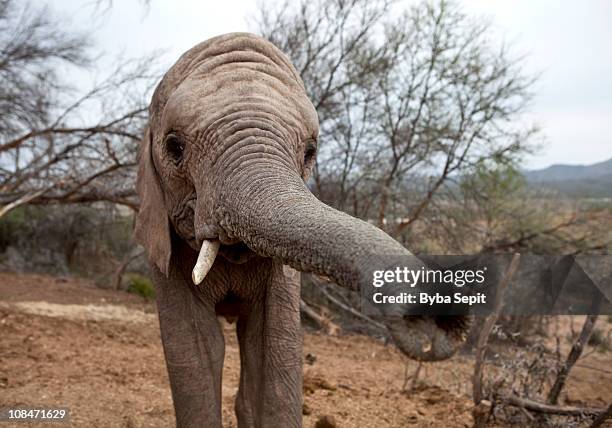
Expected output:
(270, 392)
(194, 349)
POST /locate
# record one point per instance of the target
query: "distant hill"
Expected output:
(593, 181)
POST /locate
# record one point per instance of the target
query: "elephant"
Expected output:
(227, 222)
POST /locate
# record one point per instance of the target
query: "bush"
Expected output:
(140, 285)
(11, 225)
(81, 240)
(600, 340)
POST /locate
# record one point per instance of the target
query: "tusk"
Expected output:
(206, 258)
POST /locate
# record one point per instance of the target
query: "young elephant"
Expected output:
(231, 139)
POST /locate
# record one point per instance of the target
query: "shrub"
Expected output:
(600, 340)
(81, 240)
(12, 226)
(140, 285)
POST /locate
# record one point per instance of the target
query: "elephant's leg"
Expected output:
(270, 339)
(194, 349)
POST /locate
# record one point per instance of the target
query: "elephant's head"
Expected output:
(232, 137)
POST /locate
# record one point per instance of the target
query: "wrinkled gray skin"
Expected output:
(231, 140)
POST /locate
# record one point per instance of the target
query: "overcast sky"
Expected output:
(568, 42)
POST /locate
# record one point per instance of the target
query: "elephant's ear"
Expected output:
(152, 229)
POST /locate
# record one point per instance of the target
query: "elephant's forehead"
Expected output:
(235, 50)
(232, 70)
(235, 47)
(200, 102)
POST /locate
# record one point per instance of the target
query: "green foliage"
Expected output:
(140, 285)
(493, 181)
(10, 226)
(491, 202)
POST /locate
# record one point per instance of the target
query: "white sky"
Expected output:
(568, 42)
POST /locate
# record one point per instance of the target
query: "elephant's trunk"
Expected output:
(277, 216)
(273, 212)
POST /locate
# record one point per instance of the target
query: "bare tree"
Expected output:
(404, 103)
(331, 43)
(56, 146)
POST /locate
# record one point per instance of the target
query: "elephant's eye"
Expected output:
(310, 152)
(175, 147)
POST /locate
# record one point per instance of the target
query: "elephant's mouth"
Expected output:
(237, 253)
(234, 253)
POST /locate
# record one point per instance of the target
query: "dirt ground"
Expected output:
(64, 342)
